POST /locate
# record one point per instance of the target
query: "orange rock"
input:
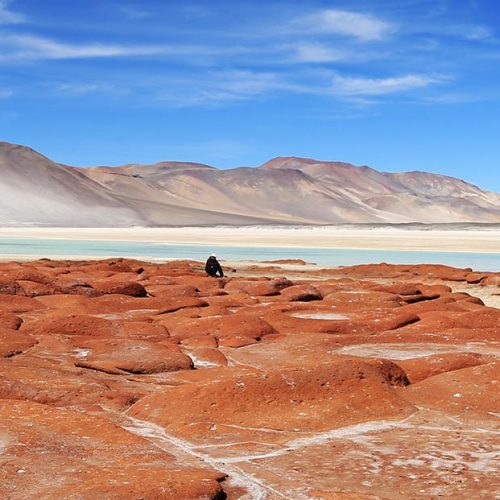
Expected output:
(58, 453)
(201, 341)
(418, 369)
(206, 357)
(491, 281)
(258, 287)
(131, 288)
(16, 304)
(236, 341)
(301, 293)
(309, 399)
(10, 320)
(473, 389)
(172, 291)
(130, 356)
(475, 277)
(13, 342)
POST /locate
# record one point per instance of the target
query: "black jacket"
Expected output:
(212, 267)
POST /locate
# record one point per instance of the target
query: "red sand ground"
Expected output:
(123, 379)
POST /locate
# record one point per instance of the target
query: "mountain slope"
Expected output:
(288, 190)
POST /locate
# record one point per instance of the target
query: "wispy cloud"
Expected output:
(363, 27)
(471, 32)
(26, 47)
(5, 93)
(218, 87)
(30, 46)
(318, 53)
(9, 17)
(347, 86)
(452, 98)
(82, 88)
(134, 13)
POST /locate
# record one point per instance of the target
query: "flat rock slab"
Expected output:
(57, 453)
(131, 356)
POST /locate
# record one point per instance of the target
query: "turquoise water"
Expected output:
(331, 257)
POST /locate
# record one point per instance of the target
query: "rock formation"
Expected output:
(126, 379)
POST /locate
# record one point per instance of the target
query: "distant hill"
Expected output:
(35, 191)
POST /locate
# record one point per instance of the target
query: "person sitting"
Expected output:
(212, 267)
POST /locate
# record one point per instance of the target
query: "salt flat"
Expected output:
(376, 238)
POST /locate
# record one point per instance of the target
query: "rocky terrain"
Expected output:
(124, 379)
(285, 190)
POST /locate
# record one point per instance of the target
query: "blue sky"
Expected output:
(397, 85)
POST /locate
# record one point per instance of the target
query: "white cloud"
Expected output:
(216, 88)
(6, 93)
(347, 86)
(363, 27)
(30, 47)
(82, 88)
(7, 16)
(474, 33)
(318, 53)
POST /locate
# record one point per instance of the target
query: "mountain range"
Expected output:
(35, 191)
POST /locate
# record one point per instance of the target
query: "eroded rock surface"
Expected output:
(127, 379)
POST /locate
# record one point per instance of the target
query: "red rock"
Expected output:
(472, 389)
(172, 291)
(309, 399)
(206, 357)
(200, 342)
(432, 289)
(145, 330)
(34, 289)
(132, 288)
(411, 299)
(258, 287)
(232, 301)
(301, 293)
(399, 289)
(11, 288)
(125, 356)
(491, 281)
(16, 304)
(421, 368)
(74, 303)
(58, 453)
(13, 342)
(240, 324)
(362, 297)
(475, 277)
(10, 320)
(236, 341)
(85, 325)
(285, 394)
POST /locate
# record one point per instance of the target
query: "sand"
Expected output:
(383, 238)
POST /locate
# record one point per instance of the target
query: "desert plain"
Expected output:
(388, 237)
(124, 378)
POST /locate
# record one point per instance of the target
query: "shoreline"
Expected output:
(329, 237)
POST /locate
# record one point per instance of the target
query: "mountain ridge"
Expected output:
(35, 190)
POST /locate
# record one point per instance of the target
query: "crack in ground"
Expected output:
(256, 489)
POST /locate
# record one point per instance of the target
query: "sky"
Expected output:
(396, 85)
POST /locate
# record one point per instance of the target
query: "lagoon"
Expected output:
(26, 248)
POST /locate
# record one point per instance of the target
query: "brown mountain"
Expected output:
(287, 190)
